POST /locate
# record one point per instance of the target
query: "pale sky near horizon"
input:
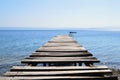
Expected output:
(60, 13)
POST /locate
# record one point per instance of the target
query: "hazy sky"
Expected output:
(60, 13)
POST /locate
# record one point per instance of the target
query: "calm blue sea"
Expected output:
(18, 44)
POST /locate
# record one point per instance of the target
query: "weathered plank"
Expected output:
(61, 44)
(59, 73)
(8, 78)
(62, 58)
(59, 68)
(62, 36)
(58, 59)
(60, 78)
(65, 48)
(62, 39)
(60, 54)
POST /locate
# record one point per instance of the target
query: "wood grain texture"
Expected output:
(60, 54)
(59, 78)
(59, 68)
(65, 48)
(58, 73)
(61, 44)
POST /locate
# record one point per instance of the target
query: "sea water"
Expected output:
(18, 44)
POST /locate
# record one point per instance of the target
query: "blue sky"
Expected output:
(60, 13)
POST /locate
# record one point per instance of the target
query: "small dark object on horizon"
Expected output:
(71, 33)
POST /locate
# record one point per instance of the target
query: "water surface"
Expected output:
(18, 44)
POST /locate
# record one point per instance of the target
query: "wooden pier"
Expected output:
(61, 58)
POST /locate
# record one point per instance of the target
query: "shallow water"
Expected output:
(18, 44)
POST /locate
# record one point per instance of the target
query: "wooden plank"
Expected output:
(60, 54)
(62, 39)
(61, 49)
(58, 73)
(59, 39)
(61, 58)
(61, 44)
(62, 61)
(58, 59)
(59, 78)
(63, 36)
(59, 68)
(8, 78)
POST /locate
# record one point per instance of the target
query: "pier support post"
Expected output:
(75, 64)
(32, 64)
(80, 64)
(89, 64)
(44, 64)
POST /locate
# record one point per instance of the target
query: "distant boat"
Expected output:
(71, 33)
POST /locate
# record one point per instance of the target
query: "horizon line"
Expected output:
(38, 28)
